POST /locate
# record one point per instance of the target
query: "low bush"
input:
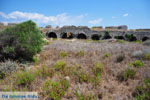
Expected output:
(63, 54)
(98, 69)
(7, 67)
(106, 55)
(20, 42)
(129, 73)
(45, 71)
(137, 64)
(55, 89)
(130, 37)
(24, 78)
(142, 92)
(60, 65)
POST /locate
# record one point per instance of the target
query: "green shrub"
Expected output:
(142, 92)
(106, 55)
(60, 65)
(55, 89)
(98, 69)
(63, 54)
(24, 78)
(20, 42)
(45, 71)
(82, 77)
(35, 60)
(129, 73)
(96, 80)
(137, 64)
(130, 37)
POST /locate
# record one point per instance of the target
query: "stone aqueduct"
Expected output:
(83, 32)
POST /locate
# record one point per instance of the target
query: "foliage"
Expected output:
(60, 65)
(7, 67)
(129, 73)
(142, 92)
(20, 42)
(137, 64)
(106, 55)
(24, 78)
(130, 37)
(55, 89)
(45, 71)
(63, 54)
(98, 69)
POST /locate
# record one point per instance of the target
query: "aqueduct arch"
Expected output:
(81, 36)
(95, 37)
(52, 35)
(69, 32)
(67, 35)
(145, 38)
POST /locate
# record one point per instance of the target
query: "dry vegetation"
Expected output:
(82, 70)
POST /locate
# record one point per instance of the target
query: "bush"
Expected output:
(59, 65)
(7, 67)
(130, 37)
(55, 89)
(106, 55)
(20, 42)
(24, 78)
(137, 64)
(63, 54)
(45, 71)
(98, 69)
(129, 73)
(142, 92)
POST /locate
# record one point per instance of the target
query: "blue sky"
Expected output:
(134, 13)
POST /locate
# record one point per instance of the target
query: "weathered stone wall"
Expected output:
(87, 33)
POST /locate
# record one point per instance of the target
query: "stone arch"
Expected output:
(119, 37)
(107, 35)
(145, 38)
(133, 38)
(52, 35)
(67, 35)
(95, 37)
(130, 37)
(81, 36)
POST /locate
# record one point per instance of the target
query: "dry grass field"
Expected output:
(82, 70)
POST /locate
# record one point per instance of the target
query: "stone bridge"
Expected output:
(83, 32)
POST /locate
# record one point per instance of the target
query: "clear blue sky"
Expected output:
(134, 13)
